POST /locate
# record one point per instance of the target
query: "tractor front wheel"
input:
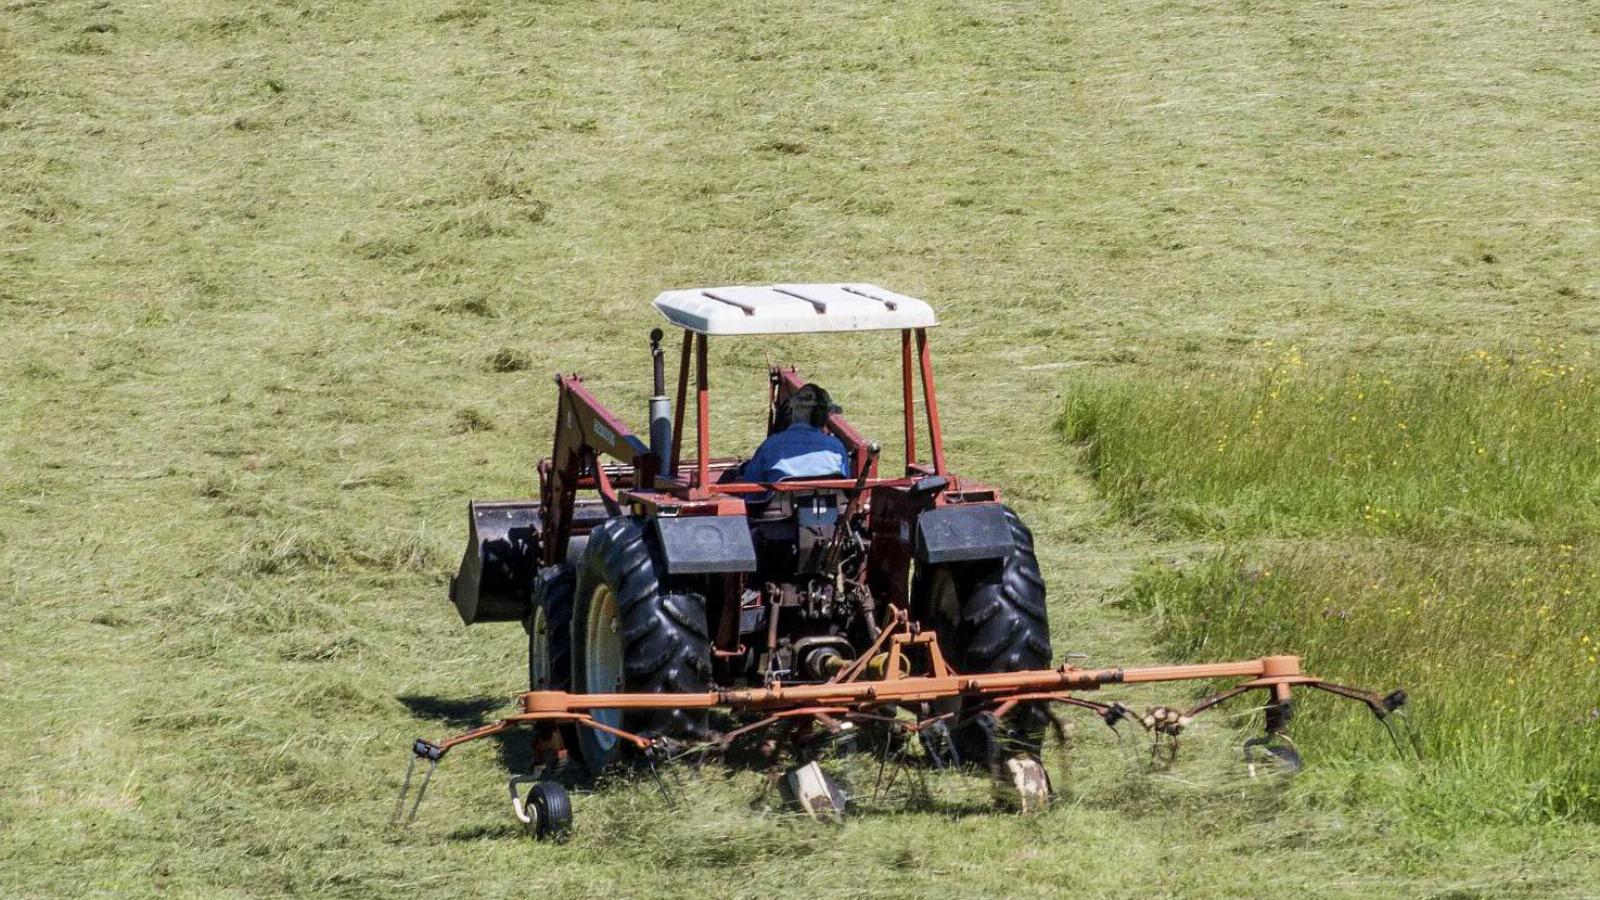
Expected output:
(549, 626)
(633, 632)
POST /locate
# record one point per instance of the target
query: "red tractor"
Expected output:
(641, 571)
(674, 589)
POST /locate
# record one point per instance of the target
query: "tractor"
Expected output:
(674, 603)
(642, 570)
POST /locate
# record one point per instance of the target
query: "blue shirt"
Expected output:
(799, 451)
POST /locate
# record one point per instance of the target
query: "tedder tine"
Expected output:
(1057, 726)
(650, 755)
(883, 761)
(405, 787)
(1393, 738)
(1385, 707)
(422, 749)
(940, 745)
(814, 717)
(1413, 737)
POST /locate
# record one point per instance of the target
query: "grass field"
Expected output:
(1498, 642)
(283, 284)
(1503, 445)
(1430, 524)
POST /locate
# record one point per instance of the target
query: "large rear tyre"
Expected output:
(633, 632)
(991, 617)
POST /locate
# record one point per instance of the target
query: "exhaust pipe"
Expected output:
(660, 408)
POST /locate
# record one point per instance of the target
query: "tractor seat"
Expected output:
(761, 506)
(793, 529)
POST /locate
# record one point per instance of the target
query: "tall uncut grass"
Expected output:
(1490, 444)
(1441, 523)
(1499, 647)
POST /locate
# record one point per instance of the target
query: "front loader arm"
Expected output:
(585, 431)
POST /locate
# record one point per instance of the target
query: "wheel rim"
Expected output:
(539, 652)
(944, 603)
(603, 661)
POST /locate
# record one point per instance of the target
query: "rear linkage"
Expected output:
(849, 700)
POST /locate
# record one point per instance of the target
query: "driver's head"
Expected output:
(811, 404)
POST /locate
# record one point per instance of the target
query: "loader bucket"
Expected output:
(496, 578)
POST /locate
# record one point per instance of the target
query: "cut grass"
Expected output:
(258, 263)
(1497, 444)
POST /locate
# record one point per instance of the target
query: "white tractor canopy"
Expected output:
(793, 309)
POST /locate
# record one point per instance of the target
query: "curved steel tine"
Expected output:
(405, 788)
(422, 789)
(661, 784)
(1057, 726)
(1413, 737)
(1393, 737)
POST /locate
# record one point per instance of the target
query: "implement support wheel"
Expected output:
(1027, 785)
(549, 811)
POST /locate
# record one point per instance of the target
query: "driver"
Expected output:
(803, 450)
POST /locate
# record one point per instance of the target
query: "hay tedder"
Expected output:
(675, 609)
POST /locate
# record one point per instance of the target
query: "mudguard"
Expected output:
(694, 545)
(961, 533)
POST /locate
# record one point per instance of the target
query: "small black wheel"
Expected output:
(817, 794)
(1288, 757)
(550, 807)
(1277, 751)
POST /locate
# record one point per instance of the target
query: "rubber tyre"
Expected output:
(551, 807)
(665, 646)
(991, 617)
(557, 610)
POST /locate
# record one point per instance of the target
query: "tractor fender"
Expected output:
(962, 533)
(694, 545)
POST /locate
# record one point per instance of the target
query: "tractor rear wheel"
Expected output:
(632, 631)
(990, 616)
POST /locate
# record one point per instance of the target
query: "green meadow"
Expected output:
(1275, 321)
(1503, 444)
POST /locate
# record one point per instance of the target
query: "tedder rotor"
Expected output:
(678, 605)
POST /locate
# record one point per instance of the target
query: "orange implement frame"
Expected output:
(849, 695)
